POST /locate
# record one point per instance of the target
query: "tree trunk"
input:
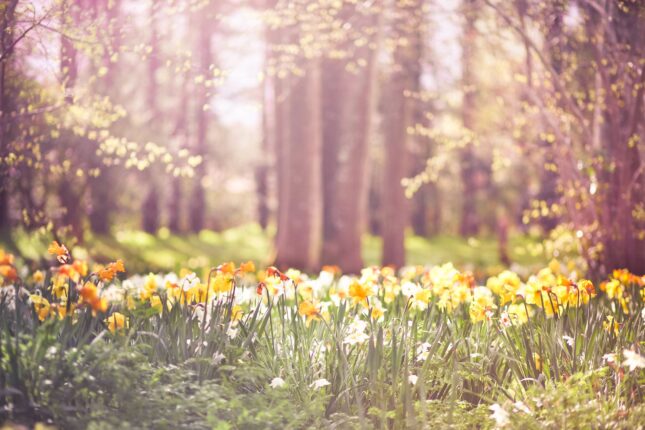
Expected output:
(469, 164)
(624, 242)
(398, 116)
(102, 203)
(69, 196)
(6, 41)
(548, 178)
(180, 133)
(150, 208)
(347, 111)
(268, 131)
(205, 58)
(300, 221)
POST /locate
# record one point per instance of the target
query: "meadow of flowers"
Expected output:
(87, 346)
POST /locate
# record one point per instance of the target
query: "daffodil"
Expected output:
(41, 306)
(8, 273)
(60, 251)
(505, 285)
(110, 271)
(236, 313)
(248, 267)
(277, 382)
(90, 296)
(149, 287)
(156, 304)
(6, 258)
(38, 277)
(222, 283)
(518, 313)
(611, 325)
(633, 360)
(117, 322)
(308, 310)
(360, 292)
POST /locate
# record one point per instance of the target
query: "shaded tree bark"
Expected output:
(469, 164)
(549, 178)
(423, 217)
(151, 205)
(68, 194)
(6, 43)
(268, 129)
(102, 204)
(180, 133)
(197, 206)
(398, 115)
(347, 111)
(299, 146)
(624, 121)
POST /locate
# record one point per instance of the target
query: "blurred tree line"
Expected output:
(472, 116)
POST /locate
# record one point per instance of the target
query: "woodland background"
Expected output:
(328, 123)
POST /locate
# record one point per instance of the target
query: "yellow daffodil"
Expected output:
(309, 310)
(41, 306)
(360, 292)
(117, 322)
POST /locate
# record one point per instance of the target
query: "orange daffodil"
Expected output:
(89, 295)
(8, 272)
(109, 272)
(60, 251)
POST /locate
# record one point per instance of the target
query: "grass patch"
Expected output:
(168, 252)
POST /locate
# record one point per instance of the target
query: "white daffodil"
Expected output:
(609, 358)
(422, 351)
(409, 289)
(520, 406)
(356, 332)
(568, 340)
(319, 383)
(499, 415)
(633, 360)
(277, 382)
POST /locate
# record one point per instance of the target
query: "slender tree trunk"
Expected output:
(469, 164)
(205, 58)
(282, 91)
(182, 134)
(150, 209)
(6, 41)
(548, 192)
(68, 194)
(398, 116)
(420, 149)
(102, 203)
(268, 131)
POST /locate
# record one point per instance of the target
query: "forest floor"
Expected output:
(166, 252)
